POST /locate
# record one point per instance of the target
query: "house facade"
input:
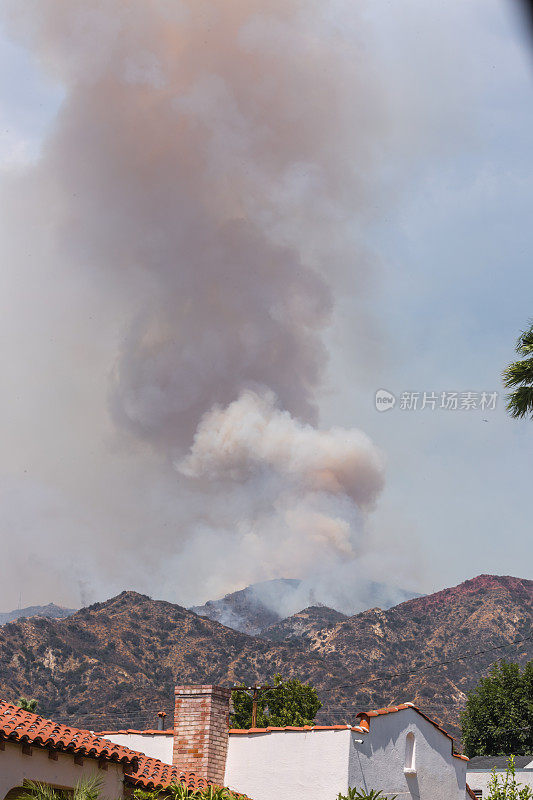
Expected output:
(38, 749)
(34, 748)
(399, 750)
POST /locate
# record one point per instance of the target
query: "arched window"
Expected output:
(410, 764)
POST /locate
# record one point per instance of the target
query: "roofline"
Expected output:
(365, 716)
(71, 750)
(294, 729)
(29, 730)
(147, 732)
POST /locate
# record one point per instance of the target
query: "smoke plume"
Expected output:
(204, 184)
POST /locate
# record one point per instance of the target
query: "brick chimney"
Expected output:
(201, 724)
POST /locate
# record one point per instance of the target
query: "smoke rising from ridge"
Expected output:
(208, 175)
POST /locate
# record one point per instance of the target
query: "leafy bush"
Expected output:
(180, 792)
(507, 787)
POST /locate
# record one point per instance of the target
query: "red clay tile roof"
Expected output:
(153, 774)
(18, 725)
(304, 728)
(392, 709)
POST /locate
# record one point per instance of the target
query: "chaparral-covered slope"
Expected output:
(115, 664)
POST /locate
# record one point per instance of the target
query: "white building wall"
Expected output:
(479, 779)
(289, 765)
(15, 767)
(154, 745)
(379, 762)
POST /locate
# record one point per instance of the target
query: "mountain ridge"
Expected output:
(115, 664)
(51, 611)
(256, 608)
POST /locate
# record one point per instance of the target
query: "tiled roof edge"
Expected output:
(24, 727)
(304, 729)
(147, 732)
(153, 774)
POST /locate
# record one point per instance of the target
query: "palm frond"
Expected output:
(518, 372)
(524, 344)
(520, 402)
(37, 790)
(88, 788)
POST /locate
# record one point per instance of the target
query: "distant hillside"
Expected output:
(51, 611)
(260, 606)
(304, 625)
(250, 610)
(115, 664)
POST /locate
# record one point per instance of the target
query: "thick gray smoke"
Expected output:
(205, 182)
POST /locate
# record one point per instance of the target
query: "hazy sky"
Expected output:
(391, 227)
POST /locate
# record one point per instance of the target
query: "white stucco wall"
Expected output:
(15, 767)
(379, 762)
(289, 765)
(479, 779)
(154, 745)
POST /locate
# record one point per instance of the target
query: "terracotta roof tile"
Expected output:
(18, 725)
(392, 709)
(153, 774)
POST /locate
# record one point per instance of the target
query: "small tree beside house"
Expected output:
(506, 787)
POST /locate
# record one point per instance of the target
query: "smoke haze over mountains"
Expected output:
(187, 247)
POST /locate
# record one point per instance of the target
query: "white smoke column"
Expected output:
(320, 482)
(210, 170)
(252, 434)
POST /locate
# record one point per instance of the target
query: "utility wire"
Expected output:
(373, 678)
(435, 665)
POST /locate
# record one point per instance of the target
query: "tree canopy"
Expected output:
(289, 702)
(519, 377)
(498, 718)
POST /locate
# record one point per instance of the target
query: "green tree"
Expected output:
(519, 376)
(498, 717)
(289, 702)
(28, 705)
(506, 787)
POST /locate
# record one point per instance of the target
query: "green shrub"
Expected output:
(507, 787)
(362, 794)
(180, 792)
